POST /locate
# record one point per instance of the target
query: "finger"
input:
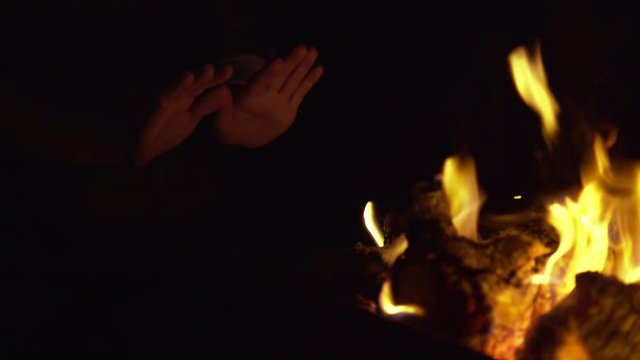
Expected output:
(293, 80)
(220, 77)
(186, 81)
(178, 88)
(306, 85)
(291, 61)
(210, 102)
(264, 78)
(206, 74)
(199, 85)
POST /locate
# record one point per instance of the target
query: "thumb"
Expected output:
(211, 101)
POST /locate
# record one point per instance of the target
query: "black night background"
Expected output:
(216, 251)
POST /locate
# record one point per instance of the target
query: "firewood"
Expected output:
(477, 292)
(600, 318)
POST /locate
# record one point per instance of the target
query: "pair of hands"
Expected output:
(263, 110)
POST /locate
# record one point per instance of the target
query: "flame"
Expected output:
(529, 77)
(387, 304)
(372, 225)
(601, 230)
(391, 253)
(393, 250)
(461, 189)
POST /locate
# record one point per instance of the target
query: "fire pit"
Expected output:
(553, 282)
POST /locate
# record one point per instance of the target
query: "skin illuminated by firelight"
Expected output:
(529, 77)
(388, 307)
(371, 224)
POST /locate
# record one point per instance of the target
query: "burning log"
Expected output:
(486, 291)
(475, 291)
(600, 319)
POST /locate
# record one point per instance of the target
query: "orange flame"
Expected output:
(461, 189)
(601, 230)
(530, 79)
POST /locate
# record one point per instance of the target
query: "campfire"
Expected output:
(554, 282)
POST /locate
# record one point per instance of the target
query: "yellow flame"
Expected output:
(601, 230)
(529, 77)
(387, 304)
(372, 225)
(394, 249)
(397, 247)
(461, 189)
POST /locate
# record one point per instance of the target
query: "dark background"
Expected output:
(214, 249)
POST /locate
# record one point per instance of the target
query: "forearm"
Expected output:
(27, 130)
(61, 139)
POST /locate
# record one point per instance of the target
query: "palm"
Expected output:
(179, 121)
(269, 104)
(179, 111)
(269, 114)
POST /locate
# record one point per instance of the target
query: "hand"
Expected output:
(269, 103)
(180, 110)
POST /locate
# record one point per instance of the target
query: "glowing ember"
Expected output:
(461, 189)
(600, 231)
(572, 349)
(372, 225)
(529, 77)
(388, 307)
